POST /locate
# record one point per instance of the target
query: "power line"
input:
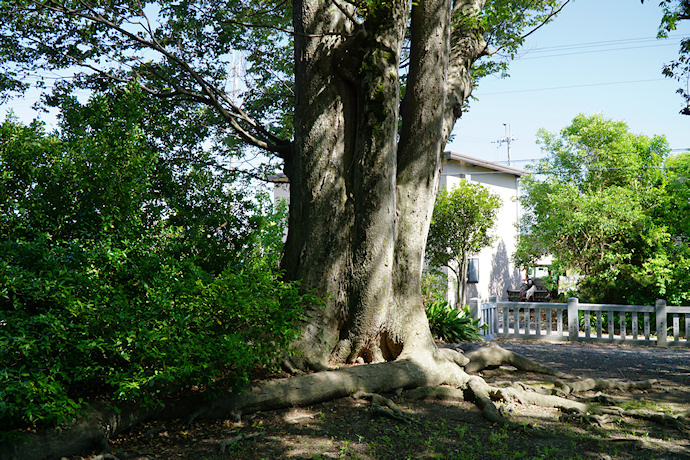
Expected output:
(596, 47)
(604, 43)
(551, 88)
(594, 51)
(611, 168)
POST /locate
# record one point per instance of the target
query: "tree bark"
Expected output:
(362, 193)
(418, 168)
(462, 282)
(342, 176)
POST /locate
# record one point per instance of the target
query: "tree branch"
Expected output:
(282, 29)
(347, 13)
(214, 95)
(548, 18)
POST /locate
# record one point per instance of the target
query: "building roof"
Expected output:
(468, 160)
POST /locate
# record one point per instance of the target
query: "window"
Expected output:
(473, 270)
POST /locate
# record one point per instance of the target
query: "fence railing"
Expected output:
(658, 324)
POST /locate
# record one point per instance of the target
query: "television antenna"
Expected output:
(506, 140)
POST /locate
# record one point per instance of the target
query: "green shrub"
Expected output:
(451, 325)
(131, 327)
(126, 276)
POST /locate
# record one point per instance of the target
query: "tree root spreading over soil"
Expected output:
(440, 378)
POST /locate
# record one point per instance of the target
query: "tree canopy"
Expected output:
(461, 226)
(189, 52)
(605, 203)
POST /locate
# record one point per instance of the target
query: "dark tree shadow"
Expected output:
(503, 275)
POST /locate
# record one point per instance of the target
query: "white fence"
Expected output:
(659, 324)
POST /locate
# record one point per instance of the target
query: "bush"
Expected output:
(451, 325)
(95, 320)
(125, 276)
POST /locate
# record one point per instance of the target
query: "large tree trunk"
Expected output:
(419, 166)
(362, 194)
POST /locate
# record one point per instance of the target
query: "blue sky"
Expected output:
(596, 57)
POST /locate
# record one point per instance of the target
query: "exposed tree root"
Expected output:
(384, 406)
(581, 418)
(494, 356)
(599, 384)
(482, 396)
(423, 374)
(101, 423)
(440, 392)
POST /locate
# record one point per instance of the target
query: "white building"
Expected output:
(490, 272)
(491, 268)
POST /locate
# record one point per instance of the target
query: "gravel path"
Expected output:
(668, 365)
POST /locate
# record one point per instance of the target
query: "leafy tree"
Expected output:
(460, 226)
(118, 267)
(592, 203)
(362, 163)
(668, 270)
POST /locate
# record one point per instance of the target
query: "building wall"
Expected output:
(496, 272)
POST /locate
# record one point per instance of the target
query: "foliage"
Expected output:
(674, 12)
(667, 270)
(605, 206)
(505, 22)
(461, 225)
(119, 266)
(434, 285)
(450, 324)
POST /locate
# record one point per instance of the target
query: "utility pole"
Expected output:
(507, 140)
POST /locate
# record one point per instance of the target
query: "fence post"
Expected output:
(661, 338)
(493, 316)
(573, 323)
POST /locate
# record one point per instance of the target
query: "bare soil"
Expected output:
(349, 428)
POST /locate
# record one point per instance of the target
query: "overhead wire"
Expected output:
(550, 88)
(590, 48)
(601, 47)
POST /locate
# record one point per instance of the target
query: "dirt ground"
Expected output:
(348, 428)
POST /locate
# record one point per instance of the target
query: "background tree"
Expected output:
(668, 271)
(598, 203)
(461, 226)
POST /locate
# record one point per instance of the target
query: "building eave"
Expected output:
(468, 160)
